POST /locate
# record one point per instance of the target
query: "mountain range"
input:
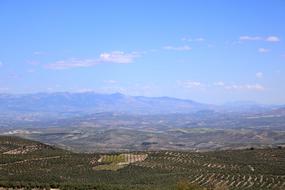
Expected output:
(95, 102)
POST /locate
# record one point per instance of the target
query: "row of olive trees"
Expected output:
(184, 184)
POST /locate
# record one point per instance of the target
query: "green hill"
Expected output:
(25, 163)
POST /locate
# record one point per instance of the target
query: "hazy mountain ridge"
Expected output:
(94, 102)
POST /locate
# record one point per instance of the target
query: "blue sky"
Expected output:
(208, 51)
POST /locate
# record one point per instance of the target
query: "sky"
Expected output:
(211, 51)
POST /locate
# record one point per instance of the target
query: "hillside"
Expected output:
(25, 163)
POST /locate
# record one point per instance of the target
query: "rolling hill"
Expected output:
(30, 164)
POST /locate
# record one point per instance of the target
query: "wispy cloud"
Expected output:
(260, 38)
(178, 48)
(117, 57)
(272, 39)
(248, 87)
(263, 50)
(131, 89)
(250, 38)
(259, 75)
(190, 84)
(73, 63)
(187, 39)
(1, 63)
(241, 87)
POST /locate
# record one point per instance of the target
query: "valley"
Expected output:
(116, 132)
(205, 147)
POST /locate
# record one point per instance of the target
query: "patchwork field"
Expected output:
(30, 164)
(117, 161)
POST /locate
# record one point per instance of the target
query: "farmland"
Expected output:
(25, 163)
(112, 132)
(118, 161)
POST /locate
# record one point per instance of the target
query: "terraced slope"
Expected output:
(25, 163)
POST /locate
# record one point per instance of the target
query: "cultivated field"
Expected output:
(30, 164)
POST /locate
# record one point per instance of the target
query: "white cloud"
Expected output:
(131, 89)
(248, 87)
(178, 48)
(190, 84)
(272, 39)
(117, 57)
(72, 63)
(241, 87)
(260, 38)
(250, 38)
(1, 63)
(200, 39)
(259, 75)
(263, 50)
